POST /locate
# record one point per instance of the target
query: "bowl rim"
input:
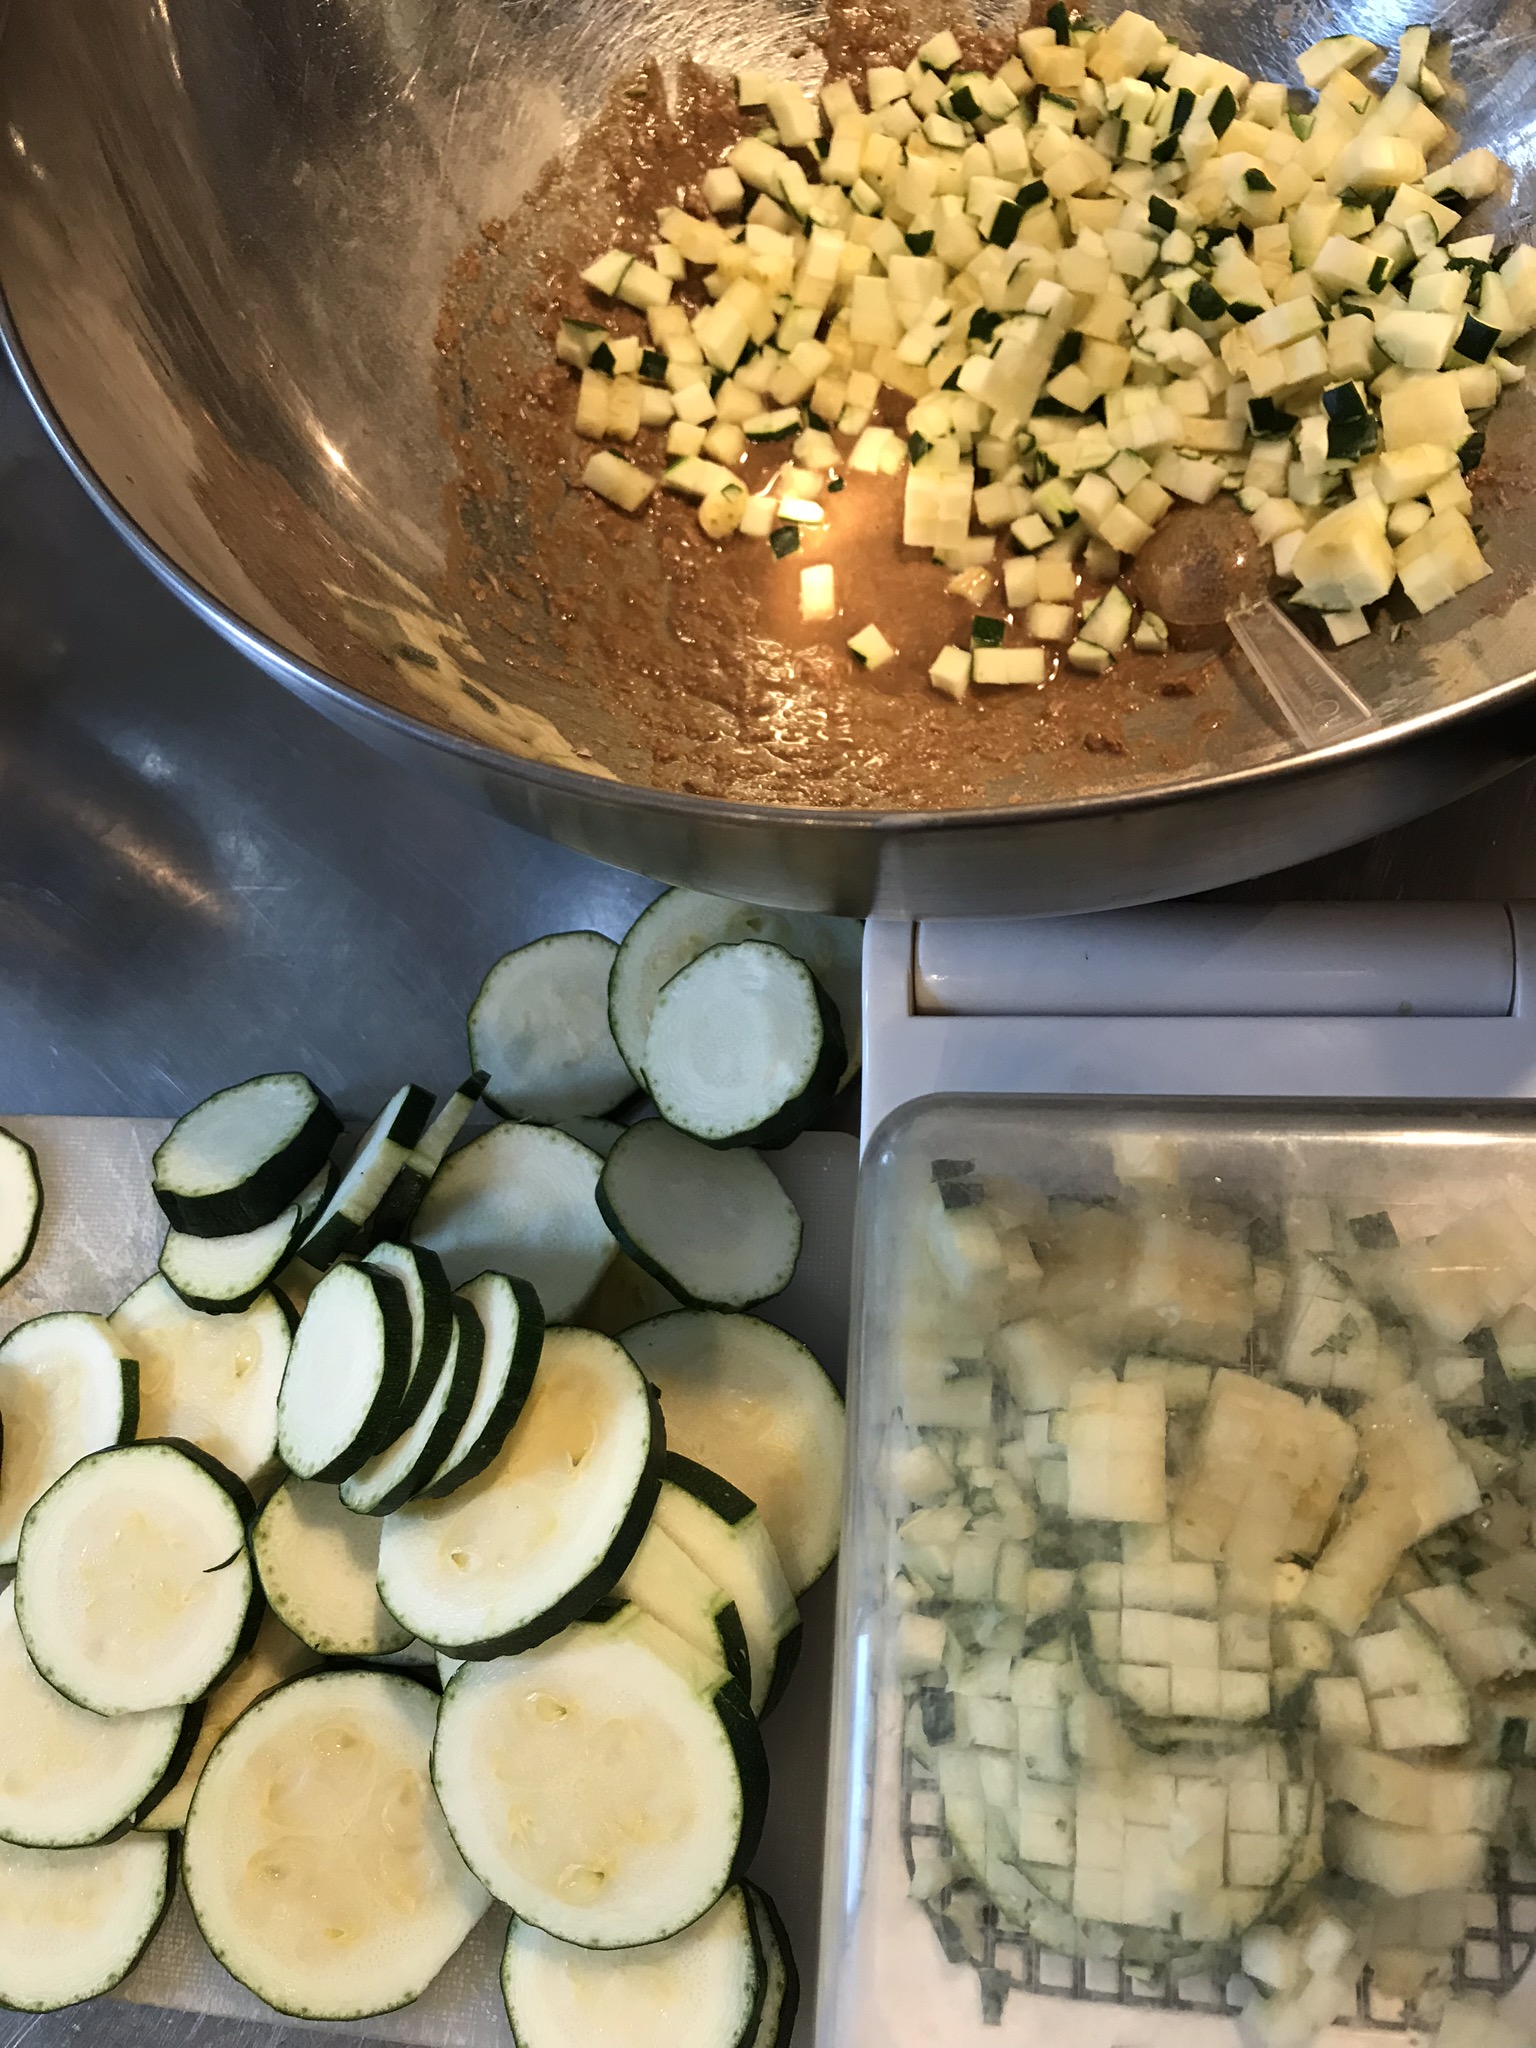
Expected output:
(678, 805)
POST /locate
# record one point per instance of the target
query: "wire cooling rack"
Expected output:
(1500, 1937)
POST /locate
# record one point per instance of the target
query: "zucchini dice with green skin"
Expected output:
(1330, 1337)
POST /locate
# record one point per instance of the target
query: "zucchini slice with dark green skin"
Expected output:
(238, 1160)
(747, 1400)
(73, 1777)
(744, 1047)
(397, 1473)
(347, 1373)
(781, 1977)
(539, 1029)
(150, 1541)
(64, 1379)
(702, 1988)
(722, 1531)
(318, 1564)
(513, 1323)
(21, 1204)
(518, 1199)
(348, 1224)
(597, 1846)
(315, 1811)
(75, 1921)
(583, 1463)
(716, 1228)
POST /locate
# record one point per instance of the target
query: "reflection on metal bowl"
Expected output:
(225, 227)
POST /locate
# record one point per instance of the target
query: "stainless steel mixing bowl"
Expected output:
(224, 230)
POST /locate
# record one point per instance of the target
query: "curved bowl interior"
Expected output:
(225, 227)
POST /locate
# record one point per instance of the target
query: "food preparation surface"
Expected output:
(199, 876)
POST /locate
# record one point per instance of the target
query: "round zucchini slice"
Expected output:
(21, 1203)
(552, 1522)
(133, 1581)
(236, 1161)
(319, 1564)
(73, 1922)
(208, 1380)
(276, 1656)
(65, 1391)
(518, 1199)
(752, 1403)
(69, 1777)
(316, 1861)
(703, 1988)
(608, 1786)
(745, 1047)
(539, 1030)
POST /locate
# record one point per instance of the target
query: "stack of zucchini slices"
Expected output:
(358, 1507)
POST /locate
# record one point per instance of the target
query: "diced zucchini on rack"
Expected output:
(1110, 276)
(446, 1486)
(318, 1866)
(21, 1204)
(1215, 1575)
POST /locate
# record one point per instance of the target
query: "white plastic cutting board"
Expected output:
(101, 1235)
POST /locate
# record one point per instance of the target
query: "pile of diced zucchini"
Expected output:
(1111, 277)
(1215, 1590)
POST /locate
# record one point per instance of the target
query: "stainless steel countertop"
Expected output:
(200, 877)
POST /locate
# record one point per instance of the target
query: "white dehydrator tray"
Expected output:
(1214, 1010)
